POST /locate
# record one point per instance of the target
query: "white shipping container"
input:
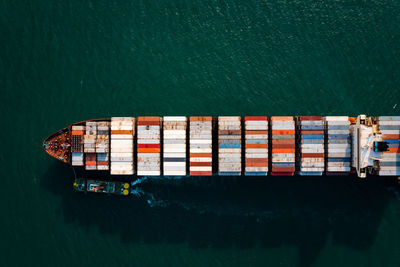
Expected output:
(256, 136)
(312, 159)
(390, 131)
(336, 118)
(338, 164)
(169, 164)
(389, 173)
(229, 118)
(283, 155)
(389, 122)
(175, 168)
(121, 137)
(339, 132)
(122, 149)
(148, 155)
(200, 150)
(389, 168)
(174, 173)
(199, 141)
(256, 128)
(123, 128)
(312, 164)
(312, 146)
(230, 150)
(174, 155)
(78, 128)
(257, 150)
(256, 123)
(256, 169)
(174, 118)
(312, 122)
(103, 167)
(312, 169)
(283, 160)
(338, 155)
(231, 160)
(314, 150)
(201, 168)
(148, 173)
(255, 155)
(341, 150)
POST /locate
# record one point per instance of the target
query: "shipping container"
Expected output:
(174, 146)
(148, 146)
(256, 145)
(122, 149)
(102, 145)
(200, 146)
(389, 165)
(338, 145)
(230, 145)
(283, 132)
(77, 134)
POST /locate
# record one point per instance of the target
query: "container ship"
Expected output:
(111, 153)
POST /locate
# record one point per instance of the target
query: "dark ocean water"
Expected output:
(67, 61)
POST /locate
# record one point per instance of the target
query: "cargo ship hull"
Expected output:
(124, 147)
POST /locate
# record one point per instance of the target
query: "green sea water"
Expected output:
(67, 61)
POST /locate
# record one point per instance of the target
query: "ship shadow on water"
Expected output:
(244, 212)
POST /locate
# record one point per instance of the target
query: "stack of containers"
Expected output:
(200, 148)
(174, 157)
(148, 146)
(311, 145)
(102, 145)
(229, 146)
(90, 145)
(77, 145)
(338, 145)
(283, 146)
(256, 149)
(122, 133)
(390, 129)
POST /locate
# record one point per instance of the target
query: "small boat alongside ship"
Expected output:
(117, 150)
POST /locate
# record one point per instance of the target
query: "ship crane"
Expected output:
(368, 146)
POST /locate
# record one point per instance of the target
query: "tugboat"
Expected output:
(101, 186)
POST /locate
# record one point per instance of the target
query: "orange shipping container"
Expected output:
(257, 164)
(148, 123)
(284, 146)
(279, 132)
(148, 150)
(257, 132)
(393, 150)
(283, 141)
(251, 160)
(391, 136)
(281, 118)
(200, 173)
(200, 155)
(148, 119)
(312, 155)
(202, 164)
(312, 132)
(229, 132)
(121, 132)
(77, 133)
(200, 118)
(283, 150)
